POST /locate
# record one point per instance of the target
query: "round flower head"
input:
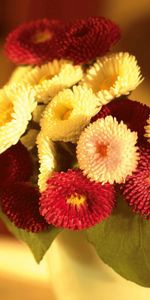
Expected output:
(68, 113)
(47, 159)
(113, 75)
(147, 129)
(86, 39)
(144, 156)
(16, 105)
(20, 202)
(34, 42)
(47, 80)
(134, 114)
(72, 201)
(136, 189)
(15, 165)
(106, 151)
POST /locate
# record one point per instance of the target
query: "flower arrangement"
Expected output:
(74, 149)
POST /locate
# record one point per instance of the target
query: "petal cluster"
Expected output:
(68, 113)
(16, 106)
(113, 75)
(72, 201)
(106, 151)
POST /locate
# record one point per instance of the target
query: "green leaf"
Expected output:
(123, 242)
(39, 243)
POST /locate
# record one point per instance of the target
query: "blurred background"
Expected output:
(134, 20)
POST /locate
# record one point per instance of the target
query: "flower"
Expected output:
(16, 105)
(147, 129)
(72, 201)
(68, 113)
(134, 114)
(15, 165)
(47, 158)
(47, 80)
(113, 75)
(86, 39)
(144, 156)
(106, 151)
(29, 139)
(136, 189)
(19, 201)
(34, 42)
(37, 113)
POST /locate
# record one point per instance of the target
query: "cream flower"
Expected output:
(47, 159)
(106, 151)
(113, 75)
(16, 105)
(48, 79)
(19, 73)
(29, 139)
(68, 113)
(37, 114)
(147, 130)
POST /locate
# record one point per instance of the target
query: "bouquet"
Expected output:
(74, 149)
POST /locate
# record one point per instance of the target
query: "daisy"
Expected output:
(72, 201)
(34, 42)
(47, 158)
(16, 106)
(133, 113)
(106, 151)
(47, 80)
(86, 39)
(20, 203)
(68, 113)
(113, 75)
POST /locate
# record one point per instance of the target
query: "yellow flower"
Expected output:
(106, 151)
(68, 113)
(48, 79)
(47, 159)
(113, 75)
(16, 105)
(29, 139)
(147, 130)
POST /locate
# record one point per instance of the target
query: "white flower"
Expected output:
(47, 159)
(113, 75)
(48, 79)
(68, 113)
(16, 106)
(106, 151)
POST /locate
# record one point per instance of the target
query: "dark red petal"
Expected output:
(86, 39)
(15, 165)
(20, 202)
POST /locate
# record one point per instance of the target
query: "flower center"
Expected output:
(76, 199)
(63, 112)
(6, 109)
(106, 83)
(41, 37)
(102, 149)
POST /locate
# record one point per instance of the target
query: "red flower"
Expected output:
(136, 189)
(72, 201)
(15, 165)
(34, 42)
(86, 39)
(132, 113)
(19, 201)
